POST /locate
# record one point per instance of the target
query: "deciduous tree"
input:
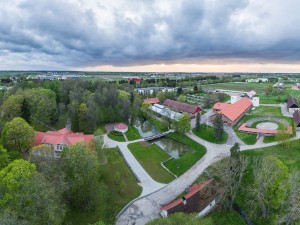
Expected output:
(198, 120)
(184, 124)
(17, 135)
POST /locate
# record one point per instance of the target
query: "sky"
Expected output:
(150, 35)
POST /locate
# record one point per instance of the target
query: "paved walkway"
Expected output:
(145, 181)
(284, 110)
(146, 208)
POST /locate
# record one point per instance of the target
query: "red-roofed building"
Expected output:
(61, 138)
(232, 113)
(137, 80)
(191, 110)
(151, 100)
(201, 198)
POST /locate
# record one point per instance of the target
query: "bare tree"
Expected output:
(291, 208)
(269, 191)
(229, 173)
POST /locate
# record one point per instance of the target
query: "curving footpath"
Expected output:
(154, 195)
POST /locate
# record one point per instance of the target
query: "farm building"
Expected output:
(292, 105)
(151, 90)
(192, 110)
(232, 113)
(161, 110)
(201, 198)
(251, 95)
(296, 87)
(59, 139)
(296, 117)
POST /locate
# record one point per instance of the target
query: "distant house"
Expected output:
(137, 80)
(258, 80)
(251, 95)
(232, 113)
(151, 100)
(296, 117)
(151, 90)
(292, 105)
(296, 87)
(191, 110)
(200, 199)
(59, 139)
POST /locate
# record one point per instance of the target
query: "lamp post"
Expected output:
(177, 166)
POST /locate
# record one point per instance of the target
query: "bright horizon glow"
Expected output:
(210, 68)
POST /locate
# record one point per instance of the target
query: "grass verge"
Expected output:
(207, 133)
(189, 158)
(116, 136)
(132, 134)
(150, 158)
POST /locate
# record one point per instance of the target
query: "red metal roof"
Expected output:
(121, 126)
(193, 191)
(63, 136)
(235, 110)
(152, 100)
(183, 107)
(219, 106)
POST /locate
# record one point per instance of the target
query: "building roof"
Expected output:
(121, 126)
(296, 117)
(292, 102)
(63, 136)
(219, 106)
(235, 110)
(191, 201)
(151, 100)
(251, 94)
(183, 107)
(166, 112)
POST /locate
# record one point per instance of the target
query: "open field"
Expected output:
(207, 133)
(242, 86)
(150, 158)
(189, 158)
(121, 187)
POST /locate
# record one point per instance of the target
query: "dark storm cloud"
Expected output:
(75, 33)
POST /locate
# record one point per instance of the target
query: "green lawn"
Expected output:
(207, 133)
(121, 187)
(189, 158)
(150, 158)
(116, 136)
(132, 134)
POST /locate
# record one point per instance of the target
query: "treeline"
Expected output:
(87, 104)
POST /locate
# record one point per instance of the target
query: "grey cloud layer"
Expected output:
(76, 33)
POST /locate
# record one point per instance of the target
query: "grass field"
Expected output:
(189, 158)
(150, 158)
(242, 86)
(207, 133)
(121, 186)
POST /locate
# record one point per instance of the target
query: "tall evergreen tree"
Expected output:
(198, 119)
(25, 110)
(218, 127)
